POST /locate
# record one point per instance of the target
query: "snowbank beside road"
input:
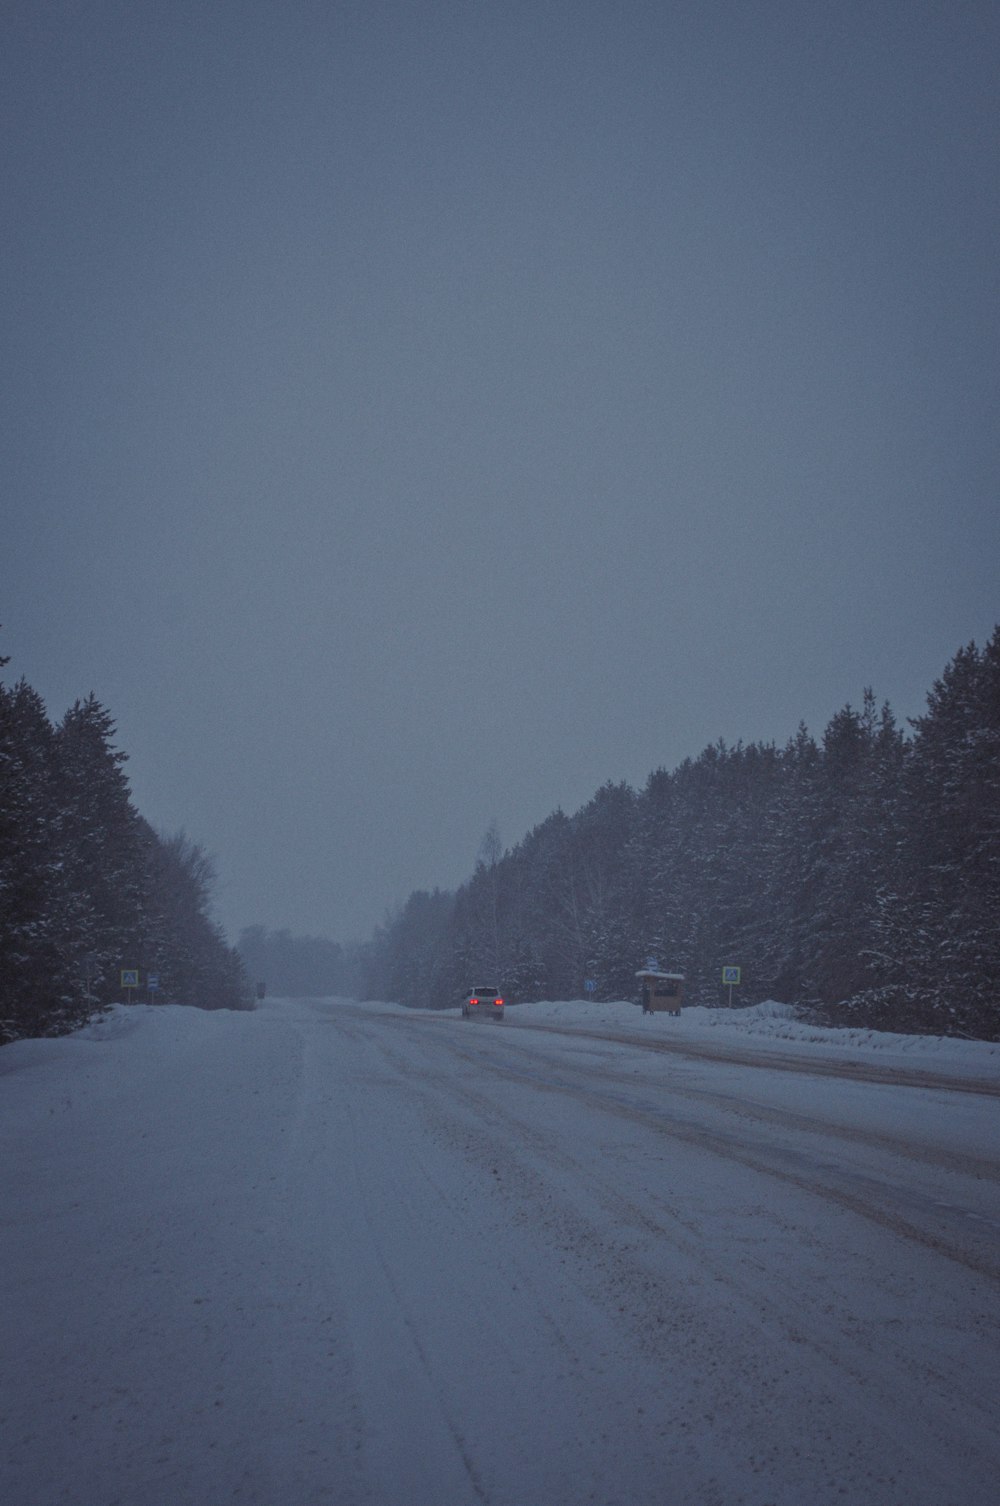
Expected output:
(769, 1025)
(758, 1025)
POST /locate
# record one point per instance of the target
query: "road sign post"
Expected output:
(731, 977)
(130, 980)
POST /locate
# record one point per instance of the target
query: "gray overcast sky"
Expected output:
(420, 413)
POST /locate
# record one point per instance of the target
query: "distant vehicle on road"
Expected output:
(482, 1004)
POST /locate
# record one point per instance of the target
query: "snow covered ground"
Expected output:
(772, 1022)
(341, 1253)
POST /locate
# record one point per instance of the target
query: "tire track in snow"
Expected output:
(867, 1197)
(777, 1061)
(410, 1325)
(852, 1359)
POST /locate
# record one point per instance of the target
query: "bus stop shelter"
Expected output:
(661, 993)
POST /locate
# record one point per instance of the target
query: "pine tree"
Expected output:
(416, 961)
(46, 926)
(105, 841)
(943, 933)
(181, 942)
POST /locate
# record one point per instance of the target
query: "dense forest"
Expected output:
(87, 887)
(857, 876)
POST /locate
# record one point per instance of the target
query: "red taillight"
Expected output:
(473, 1001)
(499, 1002)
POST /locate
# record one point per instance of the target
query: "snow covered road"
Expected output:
(343, 1253)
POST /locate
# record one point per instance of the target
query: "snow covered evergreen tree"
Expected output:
(86, 886)
(181, 942)
(48, 930)
(938, 940)
(860, 875)
(106, 843)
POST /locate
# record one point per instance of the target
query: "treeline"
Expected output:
(87, 887)
(296, 967)
(858, 876)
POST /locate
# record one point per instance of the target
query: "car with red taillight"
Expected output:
(483, 1004)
